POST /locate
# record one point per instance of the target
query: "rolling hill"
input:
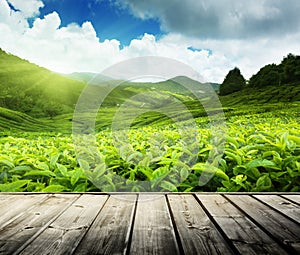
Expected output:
(38, 92)
(33, 98)
(17, 121)
(33, 90)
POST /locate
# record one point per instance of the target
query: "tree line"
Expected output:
(287, 72)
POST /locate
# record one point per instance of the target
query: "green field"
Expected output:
(262, 153)
(254, 144)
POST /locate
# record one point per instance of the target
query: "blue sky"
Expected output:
(210, 36)
(109, 21)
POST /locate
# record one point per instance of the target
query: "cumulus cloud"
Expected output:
(220, 19)
(11, 20)
(248, 55)
(77, 47)
(28, 8)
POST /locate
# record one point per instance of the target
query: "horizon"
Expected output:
(66, 37)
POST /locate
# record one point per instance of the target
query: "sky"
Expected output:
(211, 36)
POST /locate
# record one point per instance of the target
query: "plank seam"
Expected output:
(287, 248)
(21, 213)
(177, 236)
(31, 239)
(91, 224)
(275, 209)
(127, 252)
(160, 193)
(290, 200)
(217, 226)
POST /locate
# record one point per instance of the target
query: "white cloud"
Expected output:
(28, 8)
(11, 19)
(45, 28)
(78, 48)
(248, 55)
(220, 19)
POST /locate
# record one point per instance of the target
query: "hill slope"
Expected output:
(17, 121)
(33, 90)
(264, 95)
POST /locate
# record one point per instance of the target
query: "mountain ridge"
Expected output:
(34, 90)
(40, 93)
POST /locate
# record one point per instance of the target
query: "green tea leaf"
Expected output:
(40, 173)
(262, 163)
(20, 169)
(184, 173)
(54, 188)
(54, 159)
(84, 164)
(7, 163)
(263, 183)
(63, 170)
(80, 187)
(13, 186)
(75, 176)
(160, 172)
(168, 186)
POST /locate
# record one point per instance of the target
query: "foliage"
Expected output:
(291, 68)
(33, 90)
(262, 153)
(262, 141)
(38, 92)
(268, 75)
(288, 71)
(234, 81)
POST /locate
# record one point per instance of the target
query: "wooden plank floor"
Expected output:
(200, 223)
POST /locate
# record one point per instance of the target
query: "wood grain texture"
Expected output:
(64, 234)
(286, 207)
(109, 234)
(153, 232)
(243, 233)
(12, 208)
(149, 223)
(18, 232)
(293, 198)
(280, 227)
(197, 233)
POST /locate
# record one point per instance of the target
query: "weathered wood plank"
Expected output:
(153, 232)
(243, 233)
(14, 206)
(64, 234)
(284, 206)
(109, 233)
(197, 233)
(21, 230)
(4, 197)
(280, 227)
(93, 224)
(294, 198)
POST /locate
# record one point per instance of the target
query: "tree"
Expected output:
(234, 81)
(269, 75)
(288, 71)
(291, 68)
(52, 109)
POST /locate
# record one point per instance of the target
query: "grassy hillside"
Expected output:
(261, 135)
(17, 121)
(90, 78)
(33, 90)
(32, 93)
(265, 95)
